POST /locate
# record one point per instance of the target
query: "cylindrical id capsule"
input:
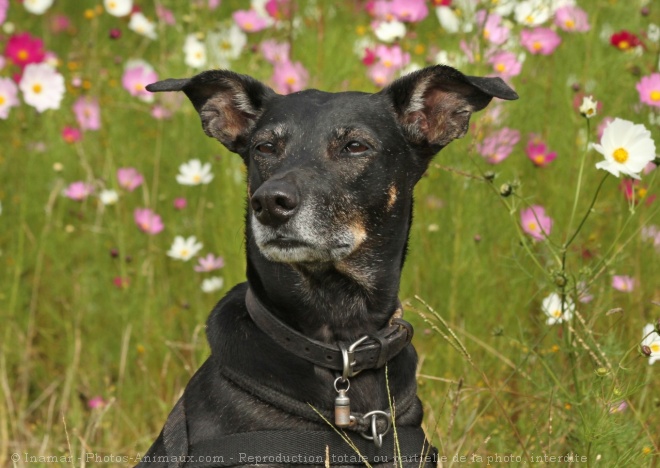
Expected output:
(342, 410)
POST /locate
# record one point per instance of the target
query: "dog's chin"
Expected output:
(290, 251)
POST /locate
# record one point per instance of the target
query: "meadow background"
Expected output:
(101, 328)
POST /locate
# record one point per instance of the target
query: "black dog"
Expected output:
(330, 199)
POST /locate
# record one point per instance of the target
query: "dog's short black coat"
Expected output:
(330, 197)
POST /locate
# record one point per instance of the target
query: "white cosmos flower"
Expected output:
(118, 7)
(194, 51)
(212, 284)
(194, 173)
(42, 86)
(589, 107)
(552, 307)
(108, 197)
(448, 19)
(141, 25)
(225, 45)
(532, 12)
(627, 148)
(184, 249)
(37, 7)
(389, 31)
(652, 341)
(8, 96)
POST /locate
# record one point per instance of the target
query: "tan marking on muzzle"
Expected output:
(393, 193)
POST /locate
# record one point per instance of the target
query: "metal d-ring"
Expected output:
(348, 358)
(342, 380)
(375, 436)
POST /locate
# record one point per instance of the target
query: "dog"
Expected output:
(311, 362)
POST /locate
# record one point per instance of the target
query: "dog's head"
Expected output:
(329, 173)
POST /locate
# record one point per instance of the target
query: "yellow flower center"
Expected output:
(184, 252)
(539, 159)
(248, 26)
(623, 45)
(225, 45)
(37, 88)
(655, 347)
(145, 225)
(290, 80)
(569, 23)
(138, 87)
(641, 192)
(112, 5)
(655, 95)
(532, 226)
(486, 33)
(387, 63)
(500, 67)
(197, 178)
(23, 54)
(2, 100)
(620, 155)
(537, 45)
(529, 19)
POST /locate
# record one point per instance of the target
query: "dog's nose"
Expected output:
(275, 202)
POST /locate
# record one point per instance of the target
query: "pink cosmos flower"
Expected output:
(121, 283)
(71, 134)
(651, 233)
(213, 4)
(209, 263)
(289, 77)
(24, 49)
(275, 52)
(392, 57)
(380, 9)
(380, 74)
(623, 283)
(129, 178)
(159, 112)
(493, 29)
(538, 152)
(165, 15)
(59, 23)
(649, 90)
(96, 402)
(572, 19)
(498, 146)
(136, 77)
(410, 11)
(541, 41)
(148, 221)
(535, 222)
(505, 64)
(250, 21)
(4, 6)
(180, 203)
(635, 191)
(88, 113)
(78, 190)
(8, 96)
(278, 9)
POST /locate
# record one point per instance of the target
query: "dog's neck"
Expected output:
(331, 302)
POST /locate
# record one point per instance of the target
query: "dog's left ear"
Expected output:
(434, 104)
(228, 103)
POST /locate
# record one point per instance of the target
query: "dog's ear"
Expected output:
(228, 103)
(434, 104)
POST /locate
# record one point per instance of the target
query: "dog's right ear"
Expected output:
(228, 103)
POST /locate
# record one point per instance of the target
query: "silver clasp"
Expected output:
(375, 436)
(348, 356)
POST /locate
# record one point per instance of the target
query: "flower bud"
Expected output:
(657, 326)
(602, 371)
(645, 350)
(506, 190)
(489, 176)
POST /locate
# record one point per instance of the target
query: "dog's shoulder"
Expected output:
(228, 317)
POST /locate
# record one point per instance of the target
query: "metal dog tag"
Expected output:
(342, 409)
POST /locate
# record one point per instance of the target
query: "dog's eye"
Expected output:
(355, 147)
(266, 148)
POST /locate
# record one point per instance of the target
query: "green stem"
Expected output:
(586, 215)
(579, 181)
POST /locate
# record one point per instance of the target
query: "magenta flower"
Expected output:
(380, 9)
(209, 263)
(129, 178)
(410, 11)
(88, 113)
(535, 222)
(538, 152)
(71, 134)
(289, 77)
(59, 23)
(275, 52)
(623, 283)
(498, 146)
(148, 221)
(649, 90)
(493, 29)
(24, 49)
(572, 19)
(392, 57)
(165, 15)
(136, 76)
(250, 21)
(78, 190)
(505, 64)
(541, 41)
(180, 203)
(96, 402)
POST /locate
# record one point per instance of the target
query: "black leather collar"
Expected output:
(372, 353)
